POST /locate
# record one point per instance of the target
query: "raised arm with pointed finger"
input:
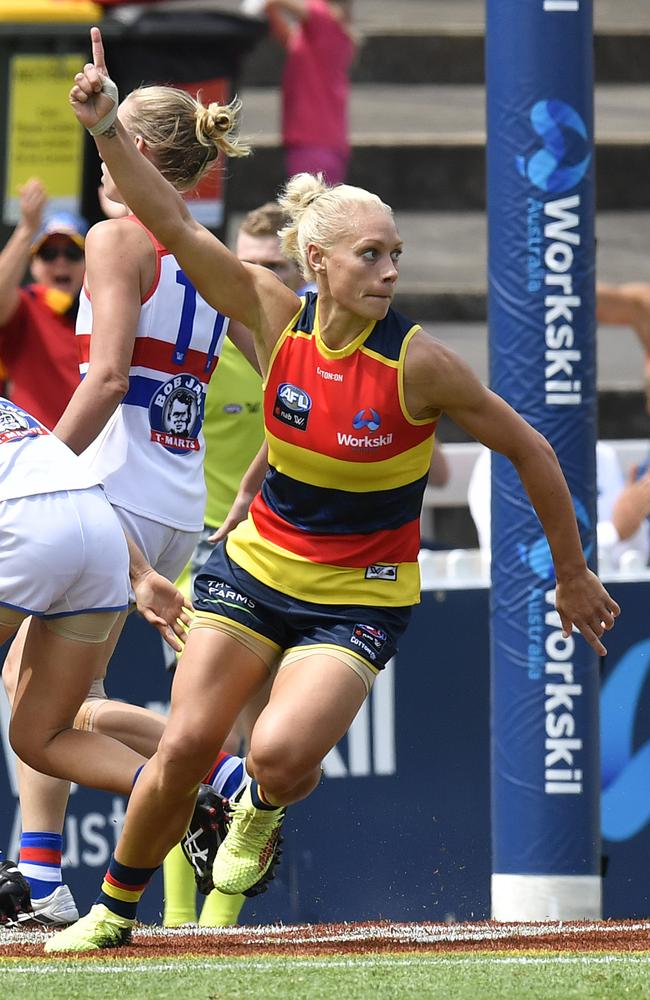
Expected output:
(234, 288)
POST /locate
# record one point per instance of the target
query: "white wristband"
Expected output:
(110, 89)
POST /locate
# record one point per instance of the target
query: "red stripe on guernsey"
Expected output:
(396, 545)
(122, 885)
(42, 854)
(339, 389)
(158, 354)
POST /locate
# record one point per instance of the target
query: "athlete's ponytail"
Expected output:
(318, 214)
(183, 136)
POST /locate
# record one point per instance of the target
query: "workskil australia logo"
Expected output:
(554, 237)
(625, 761)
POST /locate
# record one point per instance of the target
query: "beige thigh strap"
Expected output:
(264, 648)
(85, 718)
(11, 617)
(93, 626)
(360, 667)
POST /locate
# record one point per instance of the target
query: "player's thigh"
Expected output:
(55, 676)
(11, 666)
(215, 677)
(313, 702)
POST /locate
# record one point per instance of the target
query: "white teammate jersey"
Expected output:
(33, 461)
(150, 454)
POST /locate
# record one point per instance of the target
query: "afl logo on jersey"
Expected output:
(15, 424)
(292, 406)
(175, 414)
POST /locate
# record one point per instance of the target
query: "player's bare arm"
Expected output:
(437, 379)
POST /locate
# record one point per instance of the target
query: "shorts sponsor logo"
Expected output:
(233, 408)
(223, 592)
(379, 572)
(292, 406)
(374, 636)
(176, 414)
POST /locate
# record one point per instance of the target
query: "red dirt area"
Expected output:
(357, 939)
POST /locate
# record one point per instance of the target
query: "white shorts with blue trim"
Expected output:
(62, 553)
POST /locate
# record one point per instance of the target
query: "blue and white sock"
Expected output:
(228, 777)
(40, 862)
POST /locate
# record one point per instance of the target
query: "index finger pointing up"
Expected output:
(98, 50)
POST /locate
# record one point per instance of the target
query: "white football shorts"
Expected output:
(62, 553)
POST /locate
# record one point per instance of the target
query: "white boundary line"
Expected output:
(255, 965)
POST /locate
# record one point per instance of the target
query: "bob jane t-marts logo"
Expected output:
(292, 406)
(15, 424)
(175, 414)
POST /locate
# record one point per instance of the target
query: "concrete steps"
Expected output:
(434, 135)
(442, 41)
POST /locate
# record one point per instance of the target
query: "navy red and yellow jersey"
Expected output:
(337, 520)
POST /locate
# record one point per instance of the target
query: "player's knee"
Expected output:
(279, 769)
(28, 746)
(189, 754)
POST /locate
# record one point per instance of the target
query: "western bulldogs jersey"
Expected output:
(337, 520)
(32, 460)
(150, 454)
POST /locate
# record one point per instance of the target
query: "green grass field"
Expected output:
(420, 977)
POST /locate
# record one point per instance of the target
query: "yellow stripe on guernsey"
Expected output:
(360, 477)
(317, 582)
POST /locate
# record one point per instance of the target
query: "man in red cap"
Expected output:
(37, 344)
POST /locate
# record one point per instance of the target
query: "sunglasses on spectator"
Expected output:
(71, 252)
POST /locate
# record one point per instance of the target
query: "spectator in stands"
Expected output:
(37, 343)
(628, 305)
(623, 507)
(320, 47)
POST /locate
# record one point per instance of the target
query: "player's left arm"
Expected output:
(114, 251)
(437, 379)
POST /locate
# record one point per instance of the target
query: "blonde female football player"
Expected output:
(149, 345)
(324, 571)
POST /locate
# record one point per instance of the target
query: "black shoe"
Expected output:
(208, 827)
(15, 897)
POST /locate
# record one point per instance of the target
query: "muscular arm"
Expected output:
(437, 379)
(116, 256)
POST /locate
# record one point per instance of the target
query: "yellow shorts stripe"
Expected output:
(361, 667)
(261, 645)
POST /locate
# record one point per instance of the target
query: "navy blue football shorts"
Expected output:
(225, 591)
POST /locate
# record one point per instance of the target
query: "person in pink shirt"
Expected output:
(315, 84)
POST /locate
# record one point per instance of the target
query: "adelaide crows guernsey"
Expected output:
(32, 460)
(337, 520)
(150, 454)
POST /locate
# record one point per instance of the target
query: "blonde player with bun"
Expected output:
(322, 575)
(149, 345)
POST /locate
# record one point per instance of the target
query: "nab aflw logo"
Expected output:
(371, 737)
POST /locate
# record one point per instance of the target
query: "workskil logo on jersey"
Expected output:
(175, 414)
(292, 406)
(15, 424)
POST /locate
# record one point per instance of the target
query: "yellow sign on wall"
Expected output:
(44, 139)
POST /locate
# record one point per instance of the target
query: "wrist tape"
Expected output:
(110, 89)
